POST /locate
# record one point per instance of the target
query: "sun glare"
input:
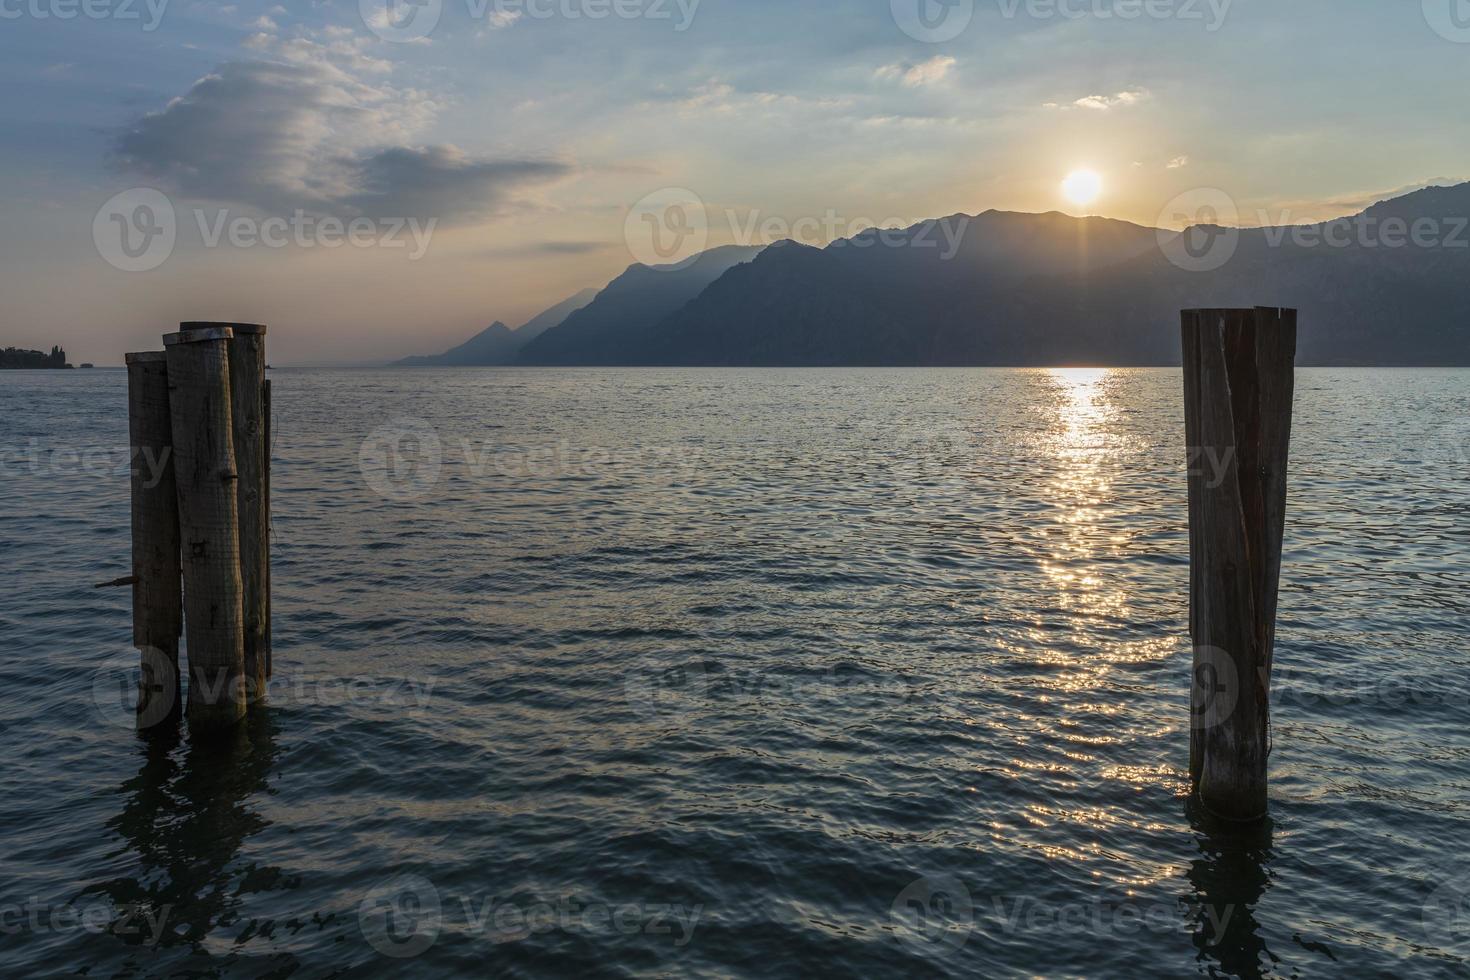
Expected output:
(1082, 186)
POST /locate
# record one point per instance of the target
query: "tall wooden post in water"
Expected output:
(209, 523)
(1238, 383)
(158, 611)
(265, 440)
(247, 415)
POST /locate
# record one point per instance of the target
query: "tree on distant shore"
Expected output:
(15, 357)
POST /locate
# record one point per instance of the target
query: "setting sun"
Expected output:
(1082, 186)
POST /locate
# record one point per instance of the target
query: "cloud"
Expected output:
(349, 54)
(1178, 163)
(282, 135)
(910, 121)
(571, 248)
(441, 181)
(717, 97)
(1102, 103)
(915, 75)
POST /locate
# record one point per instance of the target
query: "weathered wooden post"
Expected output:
(209, 523)
(158, 611)
(265, 438)
(247, 414)
(1238, 386)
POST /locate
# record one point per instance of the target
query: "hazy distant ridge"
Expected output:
(498, 344)
(1390, 286)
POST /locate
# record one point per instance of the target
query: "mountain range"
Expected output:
(1387, 286)
(498, 344)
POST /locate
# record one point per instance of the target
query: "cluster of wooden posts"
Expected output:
(203, 405)
(201, 566)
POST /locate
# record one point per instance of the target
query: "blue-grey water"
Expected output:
(743, 673)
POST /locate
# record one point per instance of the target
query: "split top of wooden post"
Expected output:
(145, 357)
(198, 336)
(241, 329)
(1274, 312)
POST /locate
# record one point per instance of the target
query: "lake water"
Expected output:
(744, 673)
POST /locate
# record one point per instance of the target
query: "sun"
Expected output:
(1082, 186)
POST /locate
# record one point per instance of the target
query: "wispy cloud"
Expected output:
(1102, 103)
(572, 248)
(717, 97)
(923, 73)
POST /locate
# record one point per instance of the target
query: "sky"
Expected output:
(380, 178)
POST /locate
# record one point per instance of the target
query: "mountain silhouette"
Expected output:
(498, 344)
(1049, 289)
(1388, 286)
(612, 328)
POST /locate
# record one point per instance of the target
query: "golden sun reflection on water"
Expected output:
(1081, 487)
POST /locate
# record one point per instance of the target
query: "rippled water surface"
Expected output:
(744, 673)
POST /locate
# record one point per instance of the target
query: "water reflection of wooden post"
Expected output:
(1238, 384)
(209, 522)
(158, 611)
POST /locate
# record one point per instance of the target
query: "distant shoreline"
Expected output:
(15, 358)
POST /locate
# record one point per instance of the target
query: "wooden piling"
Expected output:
(247, 414)
(265, 438)
(1238, 386)
(158, 611)
(209, 523)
